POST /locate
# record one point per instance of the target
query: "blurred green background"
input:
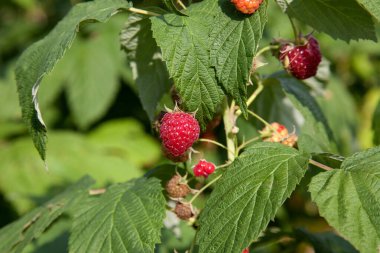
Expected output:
(96, 124)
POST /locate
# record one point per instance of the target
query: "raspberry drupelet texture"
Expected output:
(301, 60)
(247, 6)
(178, 132)
(203, 168)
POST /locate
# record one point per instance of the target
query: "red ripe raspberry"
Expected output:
(246, 250)
(203, 168)
(177, 187)
(247, 6)
(301, 60)
(178, 132)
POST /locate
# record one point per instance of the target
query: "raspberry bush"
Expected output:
(248, 137)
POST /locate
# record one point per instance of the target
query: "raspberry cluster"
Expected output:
(278, 133)
(301, 60)
(203, 168)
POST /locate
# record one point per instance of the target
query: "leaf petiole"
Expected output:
(320, 165)
(144, 12)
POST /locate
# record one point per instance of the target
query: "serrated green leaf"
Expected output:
(341, 19)
(41, 57)
(327, 242)
(376, 125)
(372, 6)
(127, 218)
(349, 199)
(184, 42)
(234, 41)
(17, 235)
(248, 196)
(149, 71)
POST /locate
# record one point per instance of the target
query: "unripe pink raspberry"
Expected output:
(203, 168)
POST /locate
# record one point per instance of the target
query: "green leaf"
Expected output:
(349, 199)
(127, 218)
(341, 19)
(40, 58)
(372, 6)
(184, 41)
(248, 196)
(149, 71)
(376, 125)
(234, 41)
(326, 242)
(54, 239)
(17, 235)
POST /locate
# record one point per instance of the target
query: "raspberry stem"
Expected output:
(320, 165)
(144, 12)
(245, 143)
(296, 37)
(181, 4)
(229, 119)
(267, 48)
(204, 188)
(254, 95)
(215, 143)
(262, 120)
